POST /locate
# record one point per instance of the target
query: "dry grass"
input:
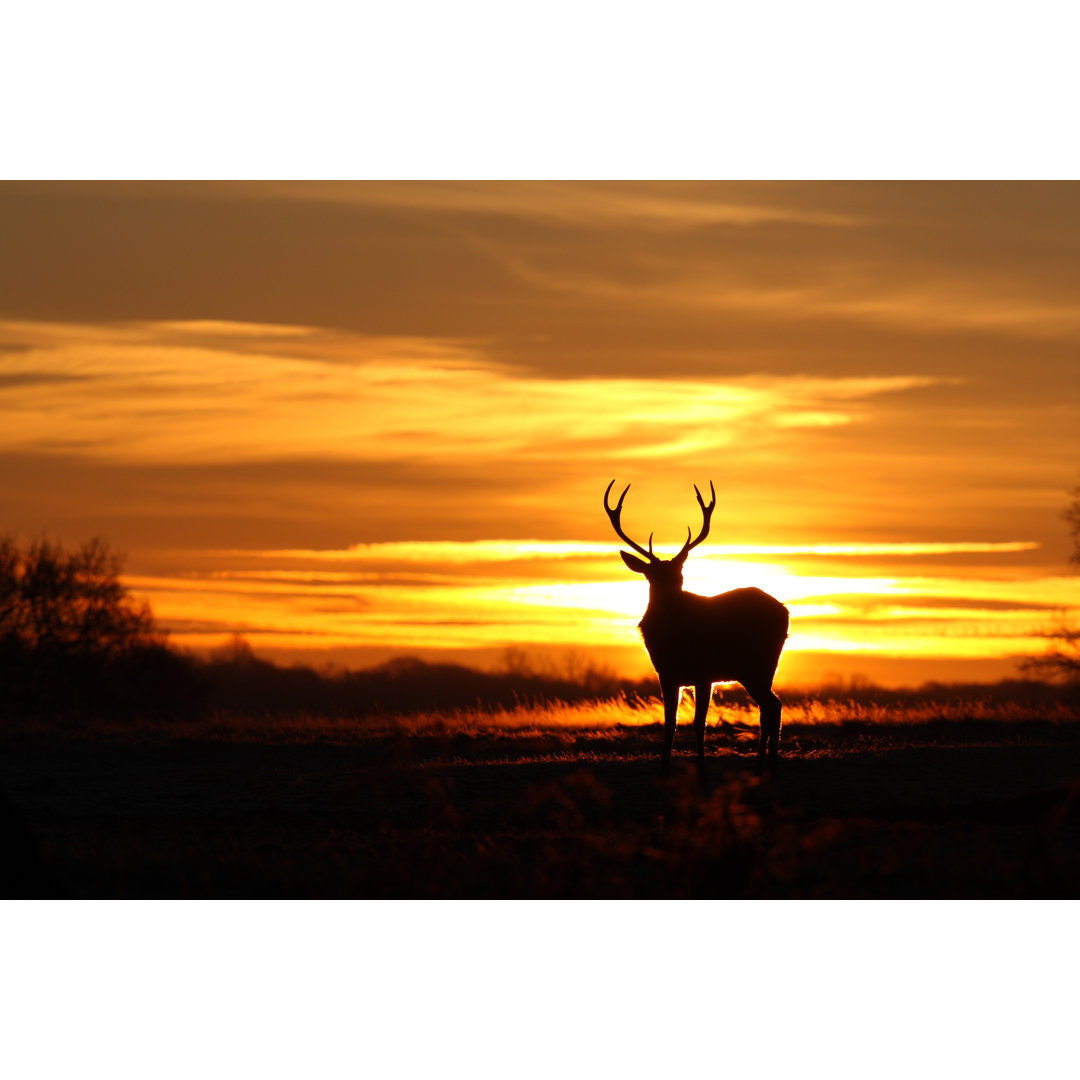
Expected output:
(927, 799)
(527, 719)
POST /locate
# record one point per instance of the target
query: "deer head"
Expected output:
(662, 574)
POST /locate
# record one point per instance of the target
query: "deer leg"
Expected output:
(702, 700)
(760, 695)
(671, 692)
(772, 707)
(763, 739)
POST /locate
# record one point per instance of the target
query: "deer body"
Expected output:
(722, 638)
(697, 641)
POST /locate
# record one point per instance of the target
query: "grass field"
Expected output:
(916, 800)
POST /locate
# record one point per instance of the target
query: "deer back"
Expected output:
(694, 639)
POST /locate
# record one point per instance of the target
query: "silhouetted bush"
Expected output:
(71, 637)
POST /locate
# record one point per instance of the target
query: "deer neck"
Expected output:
(664, 599)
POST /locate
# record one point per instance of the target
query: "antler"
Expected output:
(614, 512)
(706, 514)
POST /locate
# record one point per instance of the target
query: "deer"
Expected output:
(697, 641)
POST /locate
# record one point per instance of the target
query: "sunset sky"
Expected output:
(356, 421)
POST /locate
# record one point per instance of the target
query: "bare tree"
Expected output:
(74, 602)
(1071, 514)
(70, 633)
(1061, 661)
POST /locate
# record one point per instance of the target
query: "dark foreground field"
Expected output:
(550, 802)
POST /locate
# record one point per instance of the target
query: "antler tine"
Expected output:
(701, 502)
(614, 513)
(706, 516)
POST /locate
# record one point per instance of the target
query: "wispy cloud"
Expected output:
(584, 205)
(166, 393)
(497, 551)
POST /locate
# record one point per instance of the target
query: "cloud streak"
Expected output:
(158, 397)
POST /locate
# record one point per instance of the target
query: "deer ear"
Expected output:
(635, 564)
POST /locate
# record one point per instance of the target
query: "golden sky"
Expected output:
(354, 421)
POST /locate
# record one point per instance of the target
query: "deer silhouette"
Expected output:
(697, 641)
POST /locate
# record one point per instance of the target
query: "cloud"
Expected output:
(620, 279)
(588, 206)
(441, 552)
(198, 426)
(174, 396)
(14, 379)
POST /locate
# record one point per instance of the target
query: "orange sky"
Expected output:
(355, 421)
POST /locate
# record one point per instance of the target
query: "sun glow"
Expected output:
(470, 595)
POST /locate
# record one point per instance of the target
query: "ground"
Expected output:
(547, 802)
